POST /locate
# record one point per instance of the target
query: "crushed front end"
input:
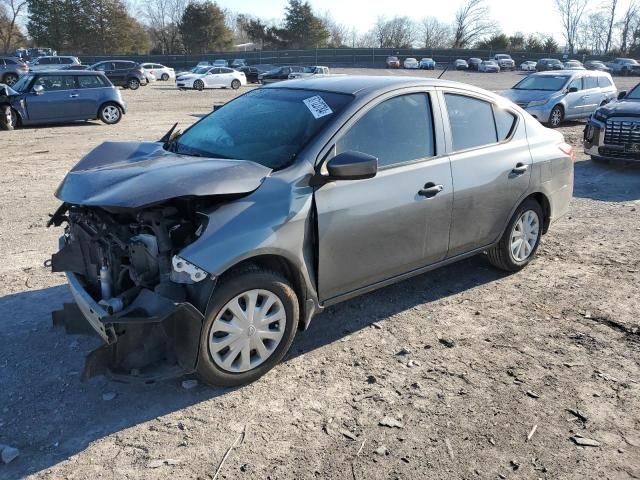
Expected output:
(131, 288)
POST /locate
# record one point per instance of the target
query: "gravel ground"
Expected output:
(466, 360)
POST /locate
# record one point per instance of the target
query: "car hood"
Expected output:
(620, 108)
(190, 76)
(133, 175)
(526, 96)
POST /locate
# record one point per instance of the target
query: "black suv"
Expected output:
(545, 64)
(122, 73)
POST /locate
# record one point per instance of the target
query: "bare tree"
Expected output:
(12, 9)
(472, 23)
(434, 33)
(399, 32)
(592, 34)
(571, 12)
(163, 18)
(626, 25)
(612, 17)
(339, 33)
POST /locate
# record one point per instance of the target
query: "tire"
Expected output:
(235, 84)
(502, 255)
(133, 83)
(164, 77)
(8, 118)
(110, 113)
(556, 116)
(10, 79)
(225, 366)
(198, 85)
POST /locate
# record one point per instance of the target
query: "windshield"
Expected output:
(547, 82)
(22, 84)
(268, 126)
(633, 94)
(200, 70)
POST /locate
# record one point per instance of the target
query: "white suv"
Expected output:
(505, 61)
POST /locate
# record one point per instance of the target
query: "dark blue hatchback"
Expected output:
(60, 96)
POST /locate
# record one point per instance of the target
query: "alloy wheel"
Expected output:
(198, 85)
(10, 79)
(524, 236)
(111, 113)
(247, 331)
(556, 117)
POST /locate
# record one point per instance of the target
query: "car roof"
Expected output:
(363, 85)
(47, 73)
(552, 73)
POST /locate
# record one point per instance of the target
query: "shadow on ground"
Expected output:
(50, 415)
(610, 182)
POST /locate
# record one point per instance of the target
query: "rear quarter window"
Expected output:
(604, 82)
(91, 81)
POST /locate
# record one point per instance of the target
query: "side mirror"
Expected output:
(572, 90)
(622, 94)
(352, 165)
(38, 89)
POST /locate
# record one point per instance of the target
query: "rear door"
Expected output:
(592, 97)
(490, 165)
(373, 230)
(109, 70)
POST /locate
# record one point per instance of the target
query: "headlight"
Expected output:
(599, 116)
(536, 103)
(185, 272)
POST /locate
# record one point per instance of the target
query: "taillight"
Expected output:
(566, 149)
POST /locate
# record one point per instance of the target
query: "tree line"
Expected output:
(199, 26)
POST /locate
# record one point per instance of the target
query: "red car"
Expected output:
(392, 62)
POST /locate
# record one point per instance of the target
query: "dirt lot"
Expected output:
(493, 355)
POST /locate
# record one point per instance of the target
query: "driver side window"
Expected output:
(576, 83)
(395, 131)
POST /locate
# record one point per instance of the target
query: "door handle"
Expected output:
(73, 95)
(430, 190)
(520, 168)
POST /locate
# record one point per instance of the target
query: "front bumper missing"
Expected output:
(154, 336)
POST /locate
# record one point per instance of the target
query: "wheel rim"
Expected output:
(11, 79)
(133, 84)
(111, 113)
(524, 236)
(165, 77)
(235, 84)
(556, 117)
(198, 85)
(247, 331)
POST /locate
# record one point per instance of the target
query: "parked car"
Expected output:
(528, 66)
(573, 65)
(122, 73)
(312, 71)
(596, 65)
(212, 77)
(545, 64)
(613, 131)
(505, 62)
(11, 69)
(220, 63)
(160, 71)
(474, 63)
(32, 53)
(624, 66)
(489, 66)
(392, 62)
(238, 62)
(411, 63)
(251, 73)
(217, 271)
(553, 97)
(461, 64)
(52, 63)
(204, 63)
(427, 64)
(75, 67)
(60, 97)
(279, 74)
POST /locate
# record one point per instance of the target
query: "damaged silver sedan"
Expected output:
(207, 251)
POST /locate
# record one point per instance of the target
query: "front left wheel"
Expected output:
(253, 319)
(8, 118)
(520, 240)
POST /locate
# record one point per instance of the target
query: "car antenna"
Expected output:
(443, 72)
(167, 136)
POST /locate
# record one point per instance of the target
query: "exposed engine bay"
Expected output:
(141, 291)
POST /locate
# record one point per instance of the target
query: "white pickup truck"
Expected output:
(315, 71)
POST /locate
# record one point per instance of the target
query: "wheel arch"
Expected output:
(544, 203)
(17, 111)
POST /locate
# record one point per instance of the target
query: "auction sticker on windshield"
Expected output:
(317, 106)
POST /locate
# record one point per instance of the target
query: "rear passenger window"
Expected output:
(604, 82)
(91, 81)
(395, 131)
(590, 82)
(505, 121)
(471, 120)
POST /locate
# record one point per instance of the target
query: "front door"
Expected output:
(491, 169)
(56, 103)
(575, 100)
(375, 229)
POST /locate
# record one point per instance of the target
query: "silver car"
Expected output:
(210, 249)
(52, 63)
(555, 96)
